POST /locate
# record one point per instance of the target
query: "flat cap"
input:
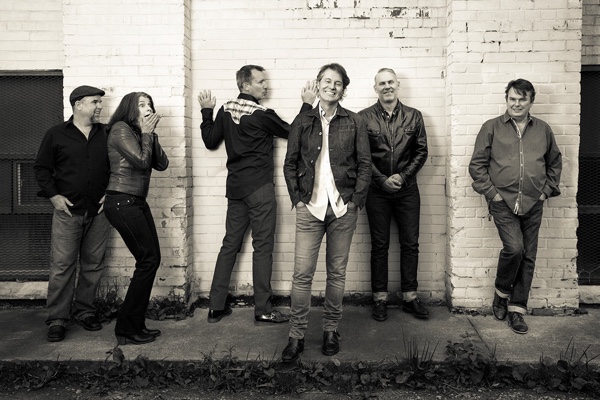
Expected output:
(82, 91)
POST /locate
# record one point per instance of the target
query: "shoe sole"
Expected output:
(55, 339)
(380, 319)
(516, 331)
(122, 340)
(88, 328)
(520, 333)
(259, 323)
(498, 319)
(416, 315)
(330, 353)
(215, 320)
(292, 360)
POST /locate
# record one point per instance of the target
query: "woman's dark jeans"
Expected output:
(131, 217)
(404, 207)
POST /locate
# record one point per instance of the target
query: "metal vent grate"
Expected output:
(588, 194)
(30, 103)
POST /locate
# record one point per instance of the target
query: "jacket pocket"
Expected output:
(411, 130)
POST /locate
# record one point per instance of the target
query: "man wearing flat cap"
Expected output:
(72, 170)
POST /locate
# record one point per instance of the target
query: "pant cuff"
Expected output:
(517, 309)
(380, 296)
(502, 295)
(407, 296)
(58, 322)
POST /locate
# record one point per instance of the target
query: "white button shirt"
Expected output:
(324, 190)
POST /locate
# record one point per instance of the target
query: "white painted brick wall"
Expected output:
(590, 41)
(533, 43)
(453, 59)
(292, 41)
(31, 35)
(130, 46)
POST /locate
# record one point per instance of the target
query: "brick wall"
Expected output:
(590, 41)
(124, 47)
(490, 43)
(453, 59)
(292, 40)
(31, 35)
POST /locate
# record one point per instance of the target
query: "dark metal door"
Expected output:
(588, 193)
(31, 102)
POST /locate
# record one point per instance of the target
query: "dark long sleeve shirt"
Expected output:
(518, 166)
(70, 165)
(248, 130)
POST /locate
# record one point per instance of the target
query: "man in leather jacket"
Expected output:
(398, 151)
(327, 169)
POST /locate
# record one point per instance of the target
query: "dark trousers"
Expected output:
(403, 207)
(516, 263)
(259, 212)
(131, 217)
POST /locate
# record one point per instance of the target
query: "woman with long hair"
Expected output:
(133, 151)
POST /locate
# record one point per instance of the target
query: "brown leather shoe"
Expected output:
(217, 315)
(415, 308)
(56, 333)
(380, 311)
(90, 323)
(274, 317)
(331, 345)
(292, 350)
(517, 323)
(499, 307)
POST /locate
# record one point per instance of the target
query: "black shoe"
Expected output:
(217, 315)
(90, 323)
(153, 332)
(292, 350)
(274, 317)
(415, 308)
(517, 323)
(380, 311)
(140, 338)
(331, 343)
(56, 333)
(499, 307)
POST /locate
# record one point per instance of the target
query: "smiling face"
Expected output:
(330, 86)
(518, 105)
(89, 107)
(257, 87)
(386, 86)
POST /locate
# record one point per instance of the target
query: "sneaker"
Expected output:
(499, 307)
(517, 323)
(415, 308)
(380, 310)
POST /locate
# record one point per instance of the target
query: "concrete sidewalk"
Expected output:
(23, 337)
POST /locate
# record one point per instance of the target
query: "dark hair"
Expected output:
(128, 110)
(522, 87)
(337, 68)
(245, 74)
